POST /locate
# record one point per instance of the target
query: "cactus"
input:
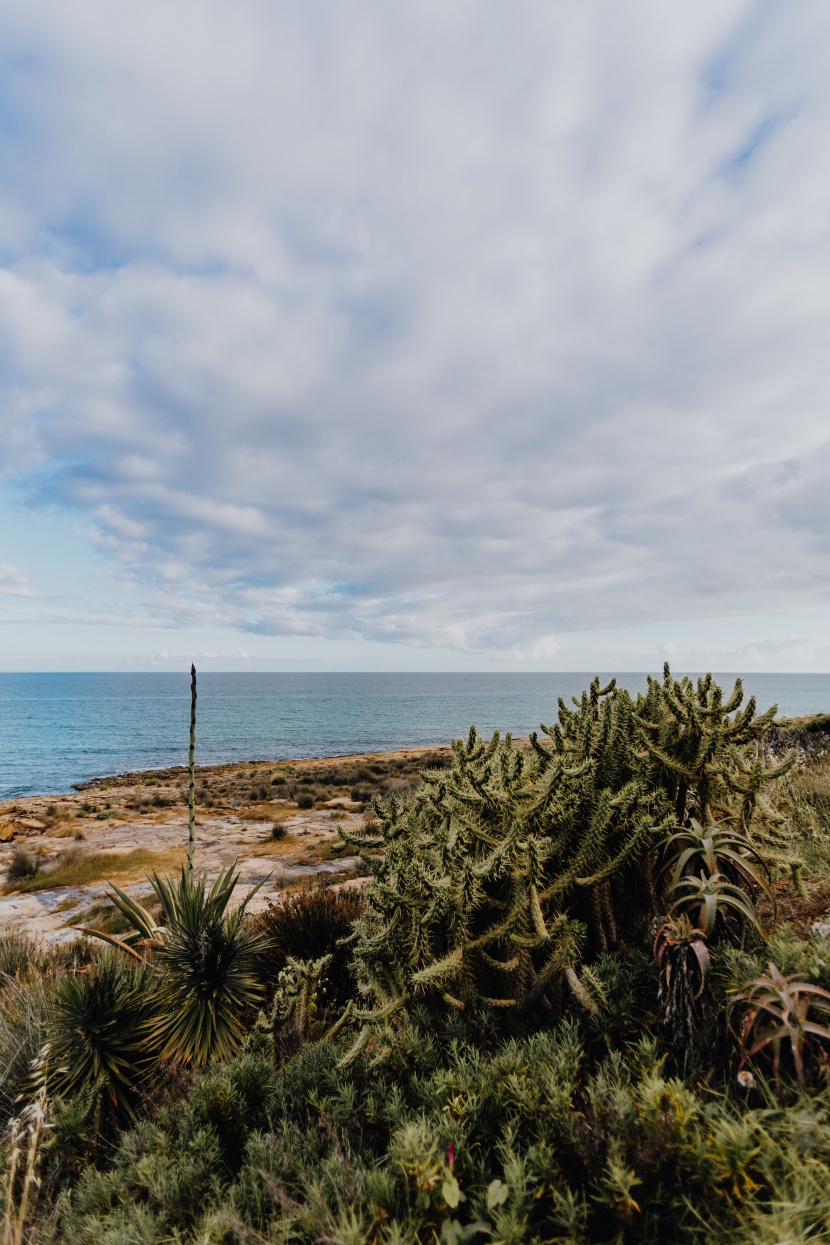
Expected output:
(502, 874)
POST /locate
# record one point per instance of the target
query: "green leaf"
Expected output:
(451, 1232)
(497, 1194)
(99, 1030)
(208, 968)
(451, 1193)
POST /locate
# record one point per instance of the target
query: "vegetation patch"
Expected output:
(584, 998)
(23, 867)
(79, 868)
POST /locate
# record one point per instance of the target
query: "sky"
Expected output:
(414, 336)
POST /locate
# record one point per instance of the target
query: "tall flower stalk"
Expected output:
(191, 774)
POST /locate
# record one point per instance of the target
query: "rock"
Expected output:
(820, 929)
(340, 801)
(6, 831)
(29, 824)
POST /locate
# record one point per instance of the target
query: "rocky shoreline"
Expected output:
(277, 820)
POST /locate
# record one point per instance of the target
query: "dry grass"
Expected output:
(289, 846)
(81, 869)
(264, 811)
(63, 831)
(799, 911)
(67, 905)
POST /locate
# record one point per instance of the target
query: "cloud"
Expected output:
(463, 329)
(14, 582)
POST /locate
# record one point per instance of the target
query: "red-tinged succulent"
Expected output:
(683, 960)
(777, 1017)
(680, 933)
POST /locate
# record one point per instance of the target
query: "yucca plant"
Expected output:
(145, 934)
(101, 1035)
(715, 904)
(207, 959)
(777, 1017)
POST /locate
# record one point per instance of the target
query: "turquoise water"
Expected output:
(60, 729)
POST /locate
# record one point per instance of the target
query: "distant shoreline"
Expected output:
(219, 768)
(813, 724)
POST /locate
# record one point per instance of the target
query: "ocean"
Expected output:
(61, 729)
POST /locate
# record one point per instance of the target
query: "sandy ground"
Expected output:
(96, 831)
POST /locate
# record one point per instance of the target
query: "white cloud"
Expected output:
(461, 329)
(14, 582)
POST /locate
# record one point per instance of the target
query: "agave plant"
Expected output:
(718, 850)
(206, 959)
(777, 1014)
(100, 1035)
(715, 903)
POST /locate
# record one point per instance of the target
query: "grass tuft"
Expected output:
(23, 866)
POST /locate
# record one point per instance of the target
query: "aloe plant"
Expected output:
(716, 904)
(777, 1016)
(682, 956)
(719, 850)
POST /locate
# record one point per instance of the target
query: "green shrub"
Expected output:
(308, 926)
(506, 872)
(515, 1078)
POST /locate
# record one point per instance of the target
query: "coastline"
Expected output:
(123, 827)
